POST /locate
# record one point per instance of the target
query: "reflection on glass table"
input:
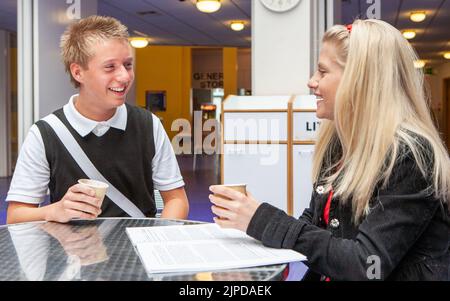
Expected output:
(94, 251)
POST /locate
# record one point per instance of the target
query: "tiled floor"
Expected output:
(197, 182)
(4, 186)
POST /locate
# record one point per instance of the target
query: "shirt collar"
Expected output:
(85, 125)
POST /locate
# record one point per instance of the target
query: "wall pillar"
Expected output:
(5, 106)
(285, 46)
(43, 84)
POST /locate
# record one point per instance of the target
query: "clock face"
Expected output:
(280, 5)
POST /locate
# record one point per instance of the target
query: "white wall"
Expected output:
(281, 49)
(4, 104)
(52, 84)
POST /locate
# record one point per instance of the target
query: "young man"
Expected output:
(126, 144)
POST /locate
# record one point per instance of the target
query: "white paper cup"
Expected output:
(99, 187)
(242, 188)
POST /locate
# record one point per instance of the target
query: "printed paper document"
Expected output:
(203, 247)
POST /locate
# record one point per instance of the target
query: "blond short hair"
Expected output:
(78, 40)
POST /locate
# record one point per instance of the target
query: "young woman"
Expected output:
(381, 173)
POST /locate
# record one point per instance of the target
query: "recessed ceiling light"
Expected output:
(418, 16)
(409, 34)
(237, 25)
(208, 6)
(447, 55)
(139, 42)
(419, 64)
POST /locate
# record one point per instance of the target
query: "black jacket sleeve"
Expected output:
(400, 213)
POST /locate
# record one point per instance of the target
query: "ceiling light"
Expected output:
(208, 6)
(139, 42)
(418, 16)
(409, 34)
(419, 64)
(447, 55)
(237, 25)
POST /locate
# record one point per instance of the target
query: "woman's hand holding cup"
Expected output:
(233, 205)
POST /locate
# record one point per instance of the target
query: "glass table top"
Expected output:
(94, 251)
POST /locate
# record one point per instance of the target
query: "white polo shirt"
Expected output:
(32, 173)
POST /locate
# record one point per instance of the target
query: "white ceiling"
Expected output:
(174, 22)
(433, 35)
(177, 22)
(167, 22)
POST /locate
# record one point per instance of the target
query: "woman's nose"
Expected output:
(313, 83)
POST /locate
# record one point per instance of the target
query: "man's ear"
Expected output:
(77, 72)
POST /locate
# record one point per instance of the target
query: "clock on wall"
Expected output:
(280, 6)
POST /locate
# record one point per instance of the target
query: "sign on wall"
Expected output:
(207, 80)
(306, 126)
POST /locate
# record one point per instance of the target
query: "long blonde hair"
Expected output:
(380, 104)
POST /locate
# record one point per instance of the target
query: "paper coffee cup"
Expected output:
(99, 187)
(242, 188)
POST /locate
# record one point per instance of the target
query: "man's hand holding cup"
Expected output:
(82, 201)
